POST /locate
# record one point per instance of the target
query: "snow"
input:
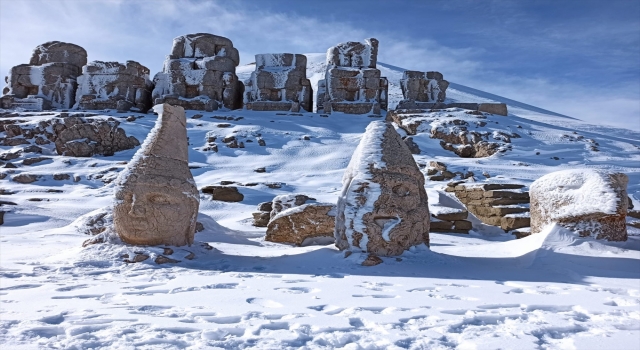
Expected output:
(485, 290)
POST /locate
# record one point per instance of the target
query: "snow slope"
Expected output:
(484, 290)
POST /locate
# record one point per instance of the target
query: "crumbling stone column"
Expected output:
(113, 85)
(48, 81)
(200, 74)
(279, 83)
(352, 83)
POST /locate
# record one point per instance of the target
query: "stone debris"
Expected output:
(504, 205)
(156, 198)
(224, 193)
(422, 89)
(452, 221)
(455, 130)
(279, 83)
(113, 85)
(48, 81)
(383, 208)
(372, 260)
(200, 74)
(75, 136)
(352, 84)
(593, 203)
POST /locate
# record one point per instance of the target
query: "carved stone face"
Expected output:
(150, 213)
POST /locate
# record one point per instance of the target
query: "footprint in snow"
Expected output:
(264, 303)
(298, 290)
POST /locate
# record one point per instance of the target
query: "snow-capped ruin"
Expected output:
(279, 83)
(113, 85)
(352, 84)
(200, 74)
(48, 80)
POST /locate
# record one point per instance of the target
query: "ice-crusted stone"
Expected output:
(200, 74)
(383, 207)
(49, 80)
(156, 198)
(279, 83)
(352, 83)
(113, 85)
(590, 202)
(422, 87)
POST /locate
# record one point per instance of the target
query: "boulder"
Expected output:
(156, 198)
(224, 193)
(287, 201)
(590, 202)
(383, 208)
(303, 225)
(279, 83)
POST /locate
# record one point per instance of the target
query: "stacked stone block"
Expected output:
(200, 74)
(504, 205)
(113, 85)
(352, 83)
(48, 81)
(453, 221)
(420, 89)
(279, 83)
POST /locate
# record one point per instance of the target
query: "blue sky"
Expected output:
(575, 57)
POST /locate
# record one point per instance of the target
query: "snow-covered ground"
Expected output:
(484, 290)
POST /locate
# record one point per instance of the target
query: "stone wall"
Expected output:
(200, 74)
(113, 85)
(504, 205)
(48, 81)
(352, 83)
(279, 83)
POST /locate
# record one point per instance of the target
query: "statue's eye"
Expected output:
(158, 199)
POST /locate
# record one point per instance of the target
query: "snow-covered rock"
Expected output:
(49, 80)
(590, 202)
(383, 206)
(200, 74)
(113, 85)
(429, 87)
(352, 84)
(303, 225)
(279, 83)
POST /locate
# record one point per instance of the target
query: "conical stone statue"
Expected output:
(156, 198)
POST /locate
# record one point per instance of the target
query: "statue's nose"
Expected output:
(137, 209)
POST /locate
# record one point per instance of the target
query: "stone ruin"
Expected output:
(496, 204)
(352, 83)
(200, 74)
(593, 203)
(383, 208)
(156, 198)
(422, 89)
(279, 83)
(113, 85)
(48, 81)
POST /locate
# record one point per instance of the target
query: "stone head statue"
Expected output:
(156, 198)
